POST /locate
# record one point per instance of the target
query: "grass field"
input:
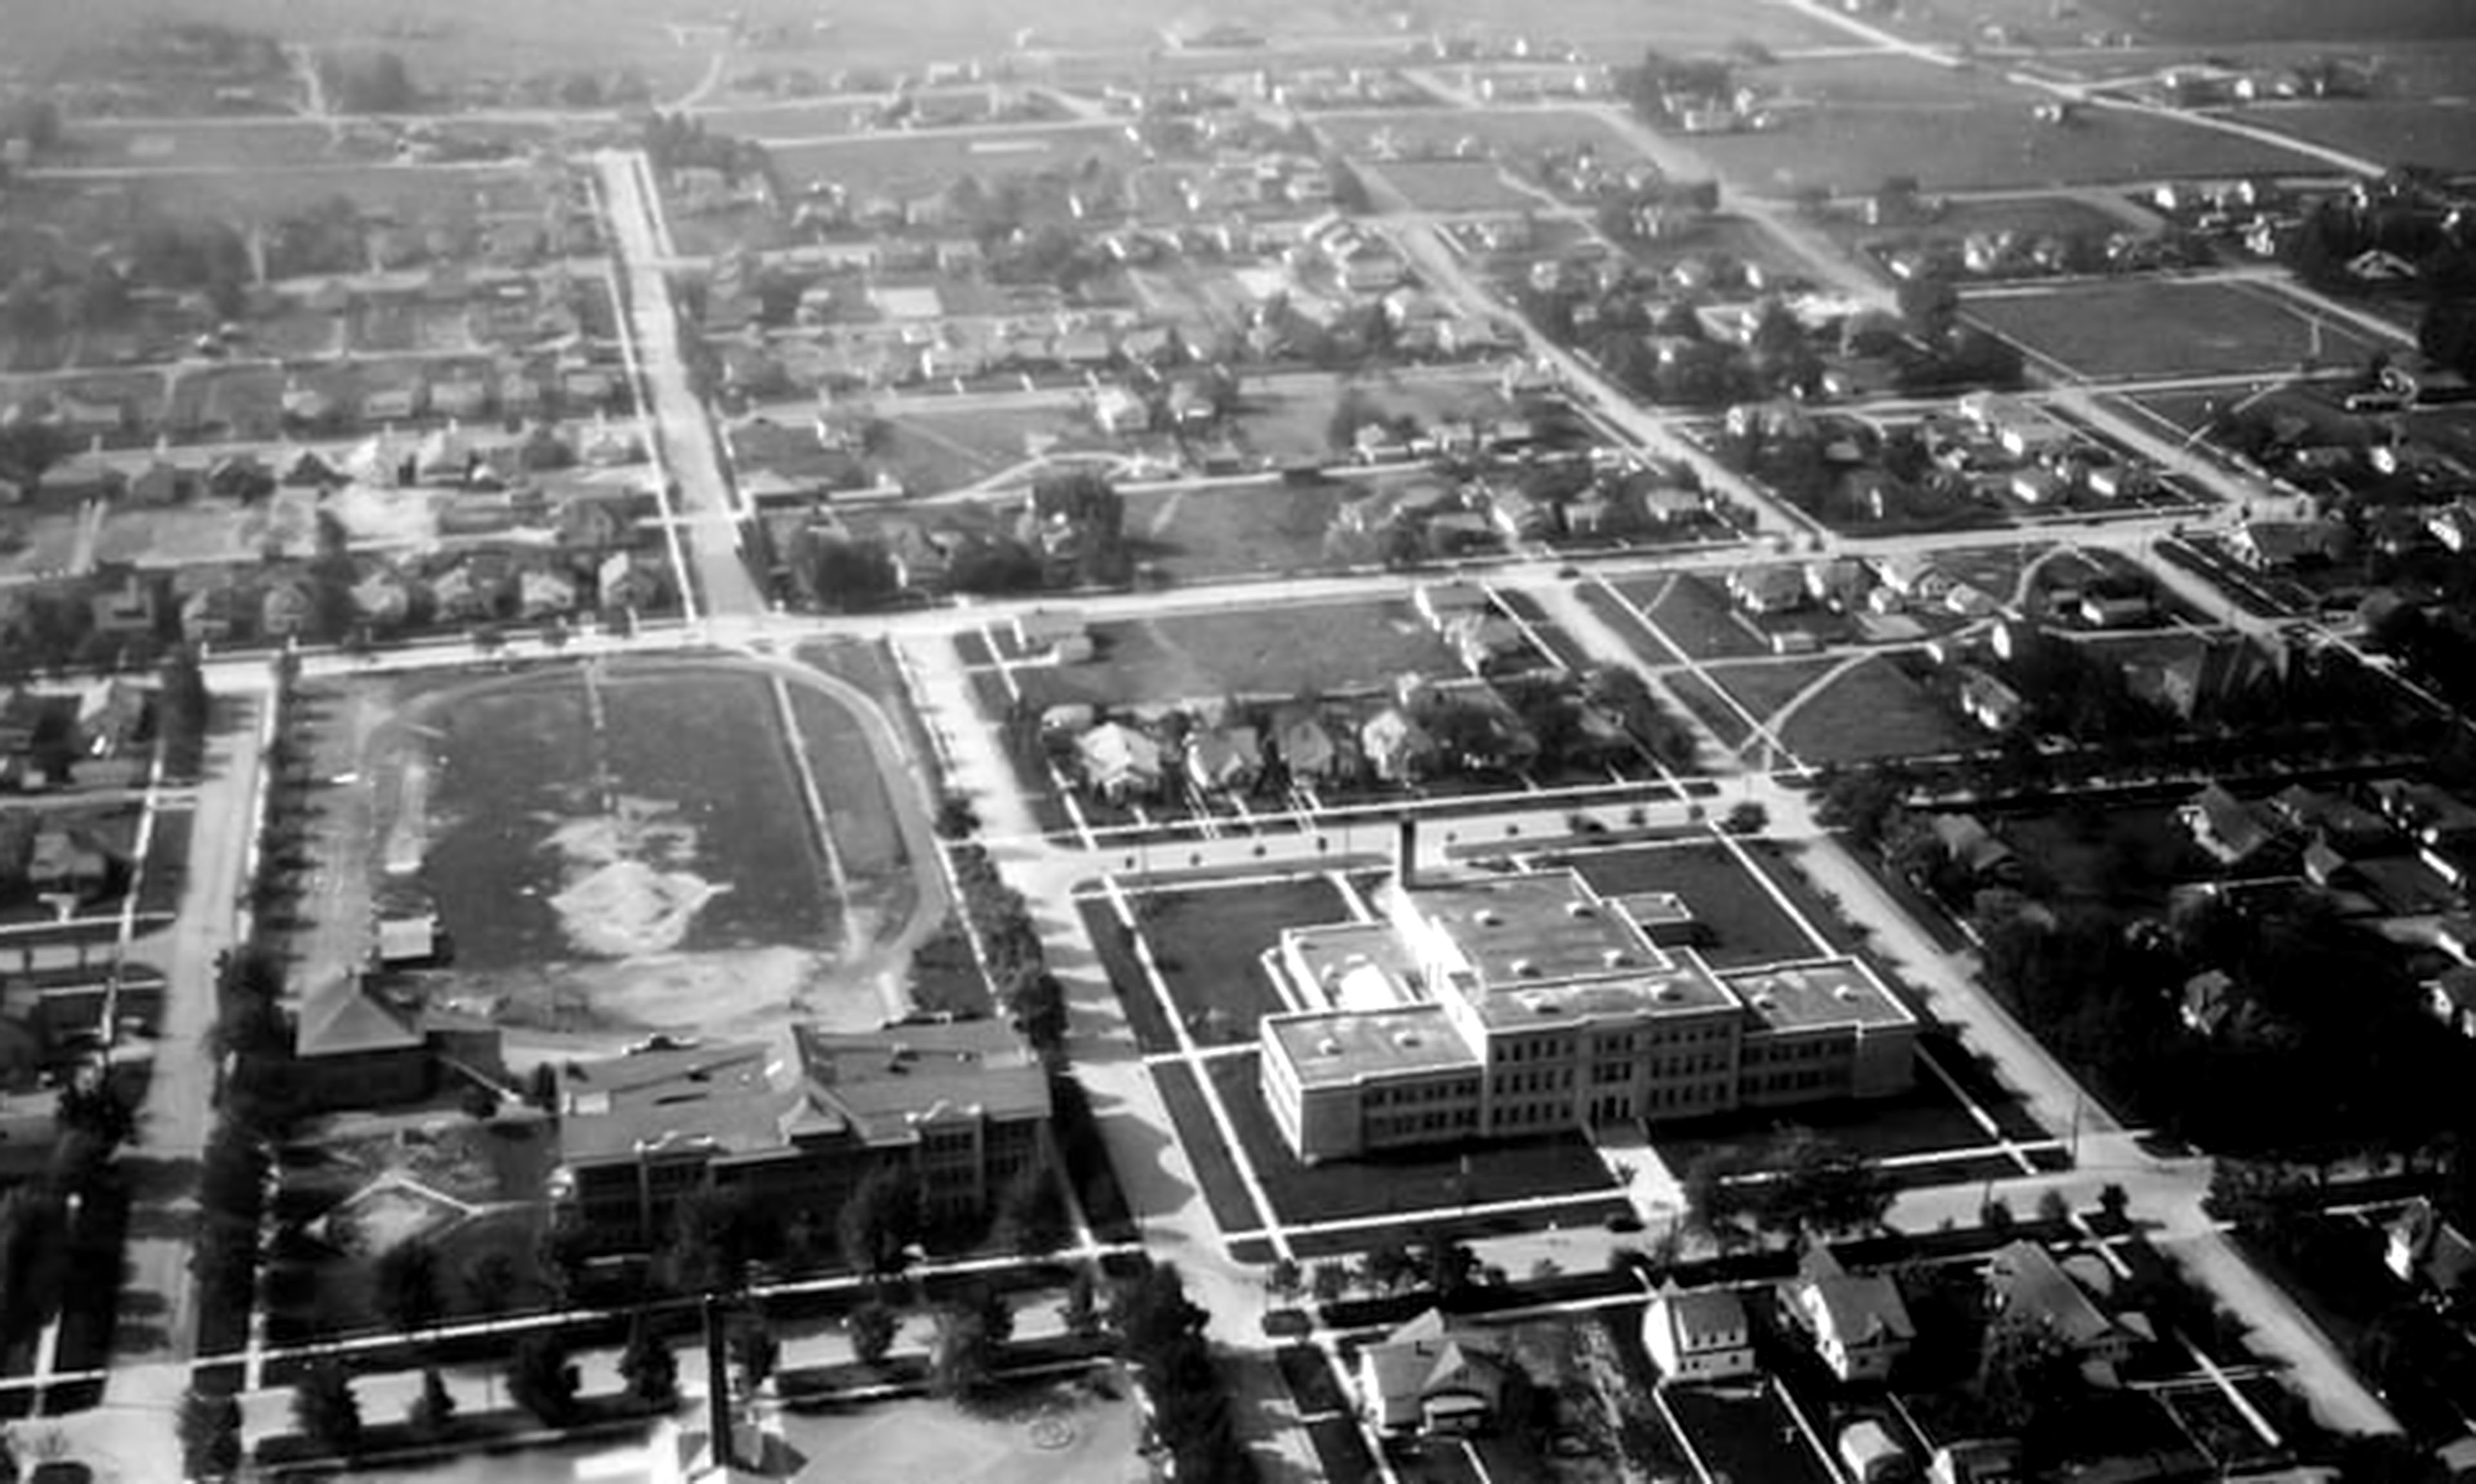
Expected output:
(1273, 650)
(1762, 688)
(682, 790)
(1872, 711)
(1198, 535)
(1510, 134)
(2384, 130)
(2190, 328)
(1449, 185)
(1745, 925)
(880, 161)
(1207, 943)
(1958, 130)
(2264, 20)
(1694, 616)
(411, 193)
(1710, 706)
(1617, 30)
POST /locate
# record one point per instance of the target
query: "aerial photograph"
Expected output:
(1259, 742)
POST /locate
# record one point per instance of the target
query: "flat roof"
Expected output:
(1680, 986)
(1536, 929)
(1345, 1045)
(1340, 955)
(1817, 993)
(1663, 907)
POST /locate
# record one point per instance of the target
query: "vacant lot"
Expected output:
(1273, 650)
(1874, 710)
(2387, 131)
(1956, 130)
(1510, 134)
(1694, 616)
(1450, 185)
(1617, 30)
(1061, 1434)
(1764, 686)
(2186, 329)
(1195, 535)
(2303, 20)
(881, 162)
(1746, 923)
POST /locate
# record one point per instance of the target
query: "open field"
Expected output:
(1872, 711)
(1693, 615)
(1276, 651)
(2393, 130)
(880, 161)
(616, 849)
(1511, 133)
(1955, 129)
(1081, 1437)
(2250, 20)
(1763, 686)
(1745, 925)
(1450, 185)
(1616, 30)
(2190, 329)
(1196, 536)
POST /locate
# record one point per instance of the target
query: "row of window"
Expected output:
(1544, 1080)
(1433, 1120)
(1793, 1051)
(1423, 1092)
(1530, 1115)
(1793, 1081)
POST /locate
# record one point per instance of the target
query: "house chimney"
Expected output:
(1406, 853)
(718, 1414)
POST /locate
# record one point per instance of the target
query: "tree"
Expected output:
(873, 1327)
(2113, 1201)
(33, 1250)
(1081, 1311)
(1282, 1279)
(405, 1286)
(1388, 1264)
(1716, 1202)
(324, 1409)
(2054, 1208)
(91, 1105)
(754, 1348)
(961, 1355)
(649, 1367)
(542, 1380)
(1447, 1266)
(209, 1429)
(428, 1414)
(490, 1283)
(1929, 304)
(880, 1221)
(1822, 1188)
(182, 708)
(1032, 1216)
(1328, 1280)
(2027, 1371)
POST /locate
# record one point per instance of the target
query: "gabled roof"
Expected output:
(1703, 1319)
(2025, 1279)
(1425, 1351)
(1852, 1308)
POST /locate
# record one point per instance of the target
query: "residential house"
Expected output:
(1981, 852)
(239, 477)
(1989, 700)
(2231, 830)
(126, 608)
(2209, 1001)
(2287, 545)
(2425, 1252)
(1858, 1322)
(2430, 814)
(1977, 1461)
(2347, 828)
(1870, 1454)
(2199, 679)
(1226, 759)
(544, 593)
(1396, 746)
(2450, 997)
(160, 483)
(1702, 1335)
(288, 605)
(2024, 1281)
(1432, 1376)
(1120, 763)
(1775, 588)
(68, 861)
(1304, 745)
